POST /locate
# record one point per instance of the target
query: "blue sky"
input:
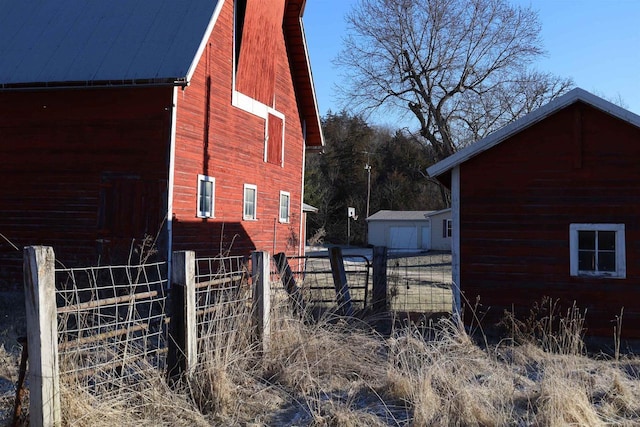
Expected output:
(596, 42)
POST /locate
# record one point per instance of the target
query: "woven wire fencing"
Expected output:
(421, 283)
(112, 324)
(314, 278)
(223, 305)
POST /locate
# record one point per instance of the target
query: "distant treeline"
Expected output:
(337, 178)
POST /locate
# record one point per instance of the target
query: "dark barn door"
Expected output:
(131, 209)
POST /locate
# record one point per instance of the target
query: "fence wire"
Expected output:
(420, 284)
(112, 324)
(223, 304)
(314, 278)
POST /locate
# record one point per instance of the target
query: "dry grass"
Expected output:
(339, 373)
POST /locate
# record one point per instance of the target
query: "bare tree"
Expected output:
(463, 68)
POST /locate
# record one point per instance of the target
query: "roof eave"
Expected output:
(204, 41)
(301, 72)
(168, 81)
(529, 120)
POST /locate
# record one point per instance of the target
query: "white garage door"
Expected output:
(403, 238)
(426, 238)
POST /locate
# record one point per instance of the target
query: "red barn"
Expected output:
(183, 120)
(548, 206)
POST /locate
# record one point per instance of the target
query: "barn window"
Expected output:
(284, 206)
(250, 199)
(597, 250)
(206, 196)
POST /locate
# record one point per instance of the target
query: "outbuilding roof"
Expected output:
(571, 97)
(386, 215)
(57, 41)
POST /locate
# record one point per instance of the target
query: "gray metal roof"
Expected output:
(309, 208)
(59, 41)
(400, 215)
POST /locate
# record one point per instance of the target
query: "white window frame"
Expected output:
(621, 265)
(251, 216)
(284, 219)
(200, 213)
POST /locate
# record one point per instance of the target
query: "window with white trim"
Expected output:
(446, 228)
(206, 196)
(285, 199)
(250, 201)
(597, 250)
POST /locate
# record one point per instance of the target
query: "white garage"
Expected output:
(403, 237)
(410, 230)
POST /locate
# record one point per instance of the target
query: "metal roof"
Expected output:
(309, 208)
(385, 215)
(530, 119)
(58, 41)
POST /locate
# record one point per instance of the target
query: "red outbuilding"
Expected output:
(549, 206)
(185, 121)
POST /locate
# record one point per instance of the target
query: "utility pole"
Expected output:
(368, 169)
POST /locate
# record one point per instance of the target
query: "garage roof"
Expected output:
(400, 215)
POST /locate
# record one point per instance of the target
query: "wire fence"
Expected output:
(113, 320)
(314, 277)
(223, 303)
(112, 324)
(417, 283)
(421, 283)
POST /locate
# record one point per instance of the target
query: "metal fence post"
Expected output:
(42, 336)
(340, 281)
(183, 343)
(262, 296)
(380, 303)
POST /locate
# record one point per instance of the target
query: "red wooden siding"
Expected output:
(58, 147)
(274, 140)
(233, 150)
(579, 165)
(258, 58)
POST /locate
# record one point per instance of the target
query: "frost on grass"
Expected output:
(339, 372)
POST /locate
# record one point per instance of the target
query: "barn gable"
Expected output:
(127, 119)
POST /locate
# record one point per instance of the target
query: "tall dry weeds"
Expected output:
(337, 372)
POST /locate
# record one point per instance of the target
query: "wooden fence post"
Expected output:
(42, 335)
(183, 342)
(262, 296)
(380, 303)
(340, 281)
(289, 282)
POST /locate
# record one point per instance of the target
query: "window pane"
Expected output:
(284, 207)
(249, 202)
(606, 261)
(607, 240)
(586, 260)
(586, 239)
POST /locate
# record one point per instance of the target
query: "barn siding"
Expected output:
(518, 199)
(55, 147)
(232, 151)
